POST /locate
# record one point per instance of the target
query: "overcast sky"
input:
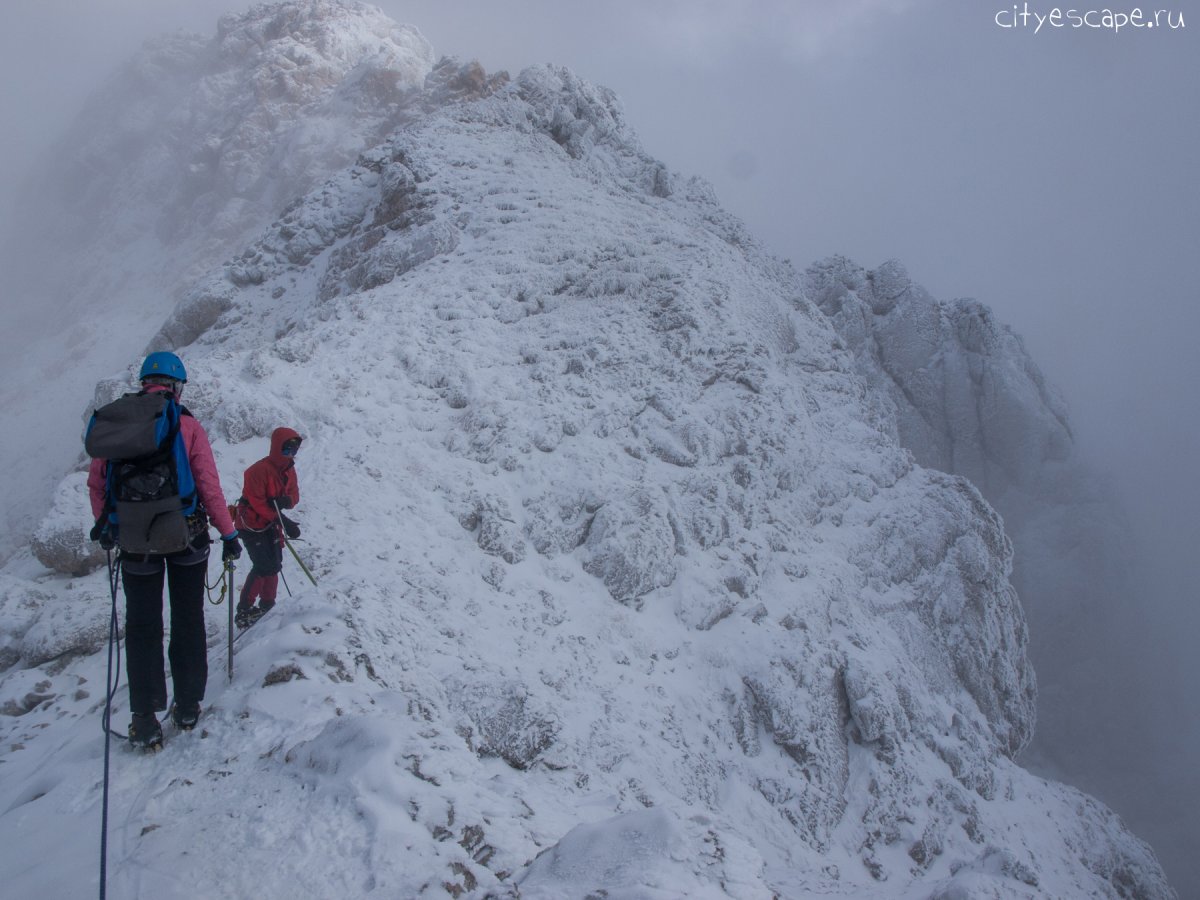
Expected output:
(1051, 174)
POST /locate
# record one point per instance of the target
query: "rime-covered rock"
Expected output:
(966, 396)
(61, 542)
(959, 390)
(41, 626)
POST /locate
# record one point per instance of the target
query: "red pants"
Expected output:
(265, 549)
(260, 587)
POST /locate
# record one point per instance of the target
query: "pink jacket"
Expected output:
(204, 470)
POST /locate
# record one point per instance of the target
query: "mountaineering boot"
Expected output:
(185, 716)
(145, 732)
(242, 617)
(254, 613)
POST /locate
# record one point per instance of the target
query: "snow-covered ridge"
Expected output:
(220, 132)
(625, 584)
(197, 143)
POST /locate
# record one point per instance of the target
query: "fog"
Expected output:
(1051, 175)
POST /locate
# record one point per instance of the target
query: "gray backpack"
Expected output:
(150, 490)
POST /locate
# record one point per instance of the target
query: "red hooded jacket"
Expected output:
(272, 476)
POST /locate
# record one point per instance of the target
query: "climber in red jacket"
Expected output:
(270, 486)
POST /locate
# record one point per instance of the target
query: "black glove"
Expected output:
(102, 535)
(231, 549)
(290, 528)
(282, 501)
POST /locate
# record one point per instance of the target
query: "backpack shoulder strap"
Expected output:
(183, 466)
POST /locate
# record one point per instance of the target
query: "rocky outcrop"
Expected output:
(963, 392)
(61, 542)
(959, 390)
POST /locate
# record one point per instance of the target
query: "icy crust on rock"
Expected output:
(197, 143)
(220, 133)
(966, 396)
(960, 391)
(45, 627)
(62, 542)
(609, 539)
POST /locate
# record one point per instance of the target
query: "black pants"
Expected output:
(264, 549)
(188, 652)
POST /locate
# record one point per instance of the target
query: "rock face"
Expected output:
(198, 142)
(608, 520)
(960, 391)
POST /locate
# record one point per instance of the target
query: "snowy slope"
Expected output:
(623, 585)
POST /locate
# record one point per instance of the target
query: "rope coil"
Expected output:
(223, 583)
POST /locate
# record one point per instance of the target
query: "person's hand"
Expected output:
(282, 502)
(231, 548)
(101, 534)
(290, 528)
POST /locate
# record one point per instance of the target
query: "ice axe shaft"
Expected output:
(229, 581)
(288, 544)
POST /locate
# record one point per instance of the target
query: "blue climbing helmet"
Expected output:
(164, 365)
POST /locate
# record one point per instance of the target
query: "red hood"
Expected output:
(279, 437)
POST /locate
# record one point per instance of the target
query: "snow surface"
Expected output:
(627, 587)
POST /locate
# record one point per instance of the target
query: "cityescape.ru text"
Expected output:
(1106, 19)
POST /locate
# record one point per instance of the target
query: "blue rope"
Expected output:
(110, 689)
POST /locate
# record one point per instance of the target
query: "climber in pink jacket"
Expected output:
(184, 571)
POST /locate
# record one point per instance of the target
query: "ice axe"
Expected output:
(288, 544)
(229, 582)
